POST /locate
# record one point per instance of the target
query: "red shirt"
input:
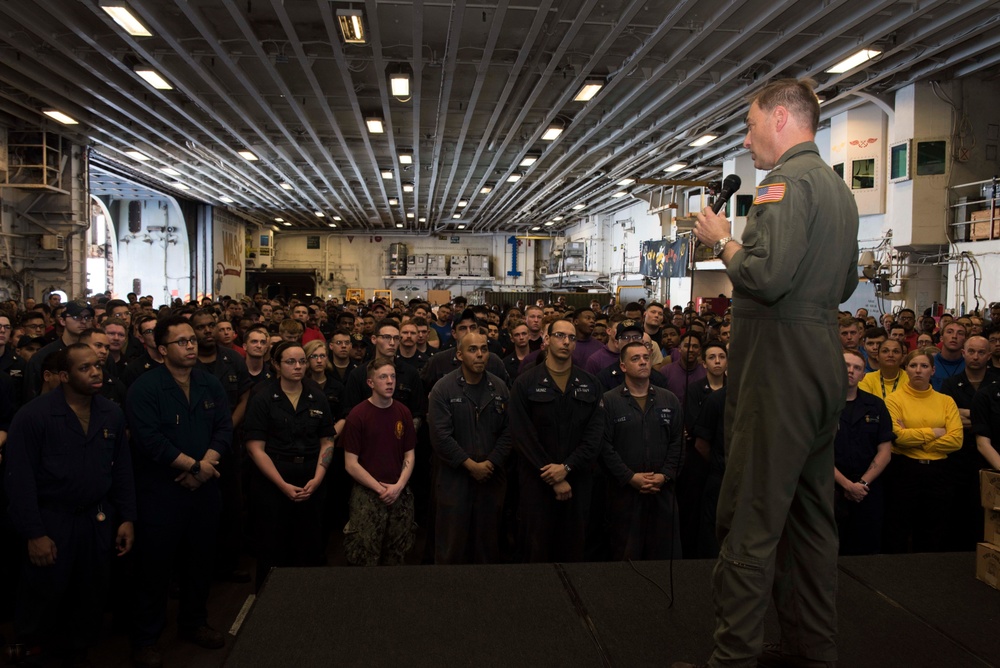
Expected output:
(380, 437)
(312, 334)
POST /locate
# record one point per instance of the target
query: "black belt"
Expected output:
(291, 459)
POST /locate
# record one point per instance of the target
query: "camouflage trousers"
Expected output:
(377, 534)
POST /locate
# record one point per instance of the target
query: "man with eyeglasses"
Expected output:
(11, 363)
(557, 424)
(230, 369)
(33, 324)
(76, 317)
(181, 428)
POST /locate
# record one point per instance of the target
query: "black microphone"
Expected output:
(729, 186)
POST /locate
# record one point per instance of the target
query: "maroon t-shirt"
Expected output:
(380, 437)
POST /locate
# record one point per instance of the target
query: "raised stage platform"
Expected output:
(908, 610)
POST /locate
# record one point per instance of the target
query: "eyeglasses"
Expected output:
(183, 343)
(390, 337)
(82, 318)
(563, 335)
(4, 328)
(630, 338)
(294, 362)
(40, 325)
(147, 332)
(314, 356)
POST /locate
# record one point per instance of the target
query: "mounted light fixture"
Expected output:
(170, 171)
(286, 186)
(513, 178)
(331, 224)
(456, 216)
(122, 15)
(180, 186)
(337, 218)
(462, 203)
(588, 90)
(704, 139)
(550, 223)
(279, 220)
(399, 82)
(399, 225)
(676, 167)
(57, 115)
(849, 63)
(529, 160)
(352, 26)
(486, 190)
(393, 201)
(287, 224)
(406, 158)
(152, 77)
(387, 174)
(320, 214)
(624, 183)
(577, 207)
(552, 132)
(462, 226)
(138, 156)
(407, 187)
(410, 215)
(421, 219)
(535, 228)
(375, 125)
(249, 156)
(225, 199)
(620, 193)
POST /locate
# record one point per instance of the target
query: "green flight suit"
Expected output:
(787, 386)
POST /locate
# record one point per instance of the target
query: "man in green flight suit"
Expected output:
(796, 264)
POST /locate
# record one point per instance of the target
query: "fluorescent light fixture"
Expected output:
(331, 224)
(513, 178)
(287, 224)
(170, 171)
(279, 220)
(557, 218)
(620, 193)
(57, 115)
(589, 89)
(577, 207)
(552, 133)
(248, 155)
(393, 201)
(387, 174)
(137, 155)
(529, 160)
(152, 77)
(375, 125)
(407, 187)
(462, 226)
(286, 186)
(422, 219)
(337, 218)
(676, 167)
(225, 199)
(410, 215)
(462, 203)
(624, 183)
(549, 223)
(406, 158)
(456, 216)
(352, 27)
(180, 186)
(320, 214)
(399, 85)
(849, 63)
(704, 139)
(535, 228)
(121, 15)
(486, 190)
(399, 225)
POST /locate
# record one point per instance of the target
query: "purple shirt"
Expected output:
(600, 360)
(584, 349)
(678, 378)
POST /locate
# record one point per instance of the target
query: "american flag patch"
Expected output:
(768, 194)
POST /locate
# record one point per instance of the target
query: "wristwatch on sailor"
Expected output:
(567, 467)
(195, 468)
(720, 246)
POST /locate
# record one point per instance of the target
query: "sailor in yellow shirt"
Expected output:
(927, 427)
(889, 377)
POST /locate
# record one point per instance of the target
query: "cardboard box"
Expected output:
(988, 564)
(991, 532)
(989, 489)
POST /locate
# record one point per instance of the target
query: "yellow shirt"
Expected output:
(921, 412)
(874, 384)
